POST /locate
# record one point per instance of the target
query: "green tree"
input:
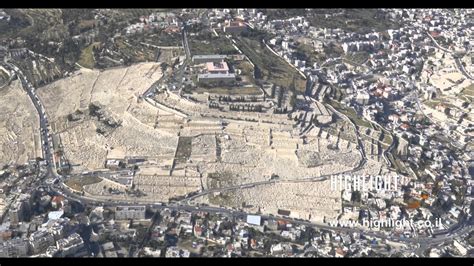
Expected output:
(257, 73)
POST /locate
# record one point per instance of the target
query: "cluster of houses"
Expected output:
(247, 234)
(49, 234)
(388, 92)
(241, 21)
(167, 21)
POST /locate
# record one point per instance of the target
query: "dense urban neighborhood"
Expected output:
(236, 133)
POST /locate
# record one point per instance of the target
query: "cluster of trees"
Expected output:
(93, 109)
(213, 105)
(73, 17)
(254, 34)
(356, 20)
(17, 22)
(246, 107)
(279, 96)
(96, 50)
(280, 110)
(257, 73)
(196, 28)
(74, 116)
(239, 99)
(214, 84)
(285, 13)
(69, 54)
(163, 67)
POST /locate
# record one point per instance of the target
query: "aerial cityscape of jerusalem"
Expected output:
(322, 133)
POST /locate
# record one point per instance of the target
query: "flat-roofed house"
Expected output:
(130, 212)
(254, 219)
(217, 68)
